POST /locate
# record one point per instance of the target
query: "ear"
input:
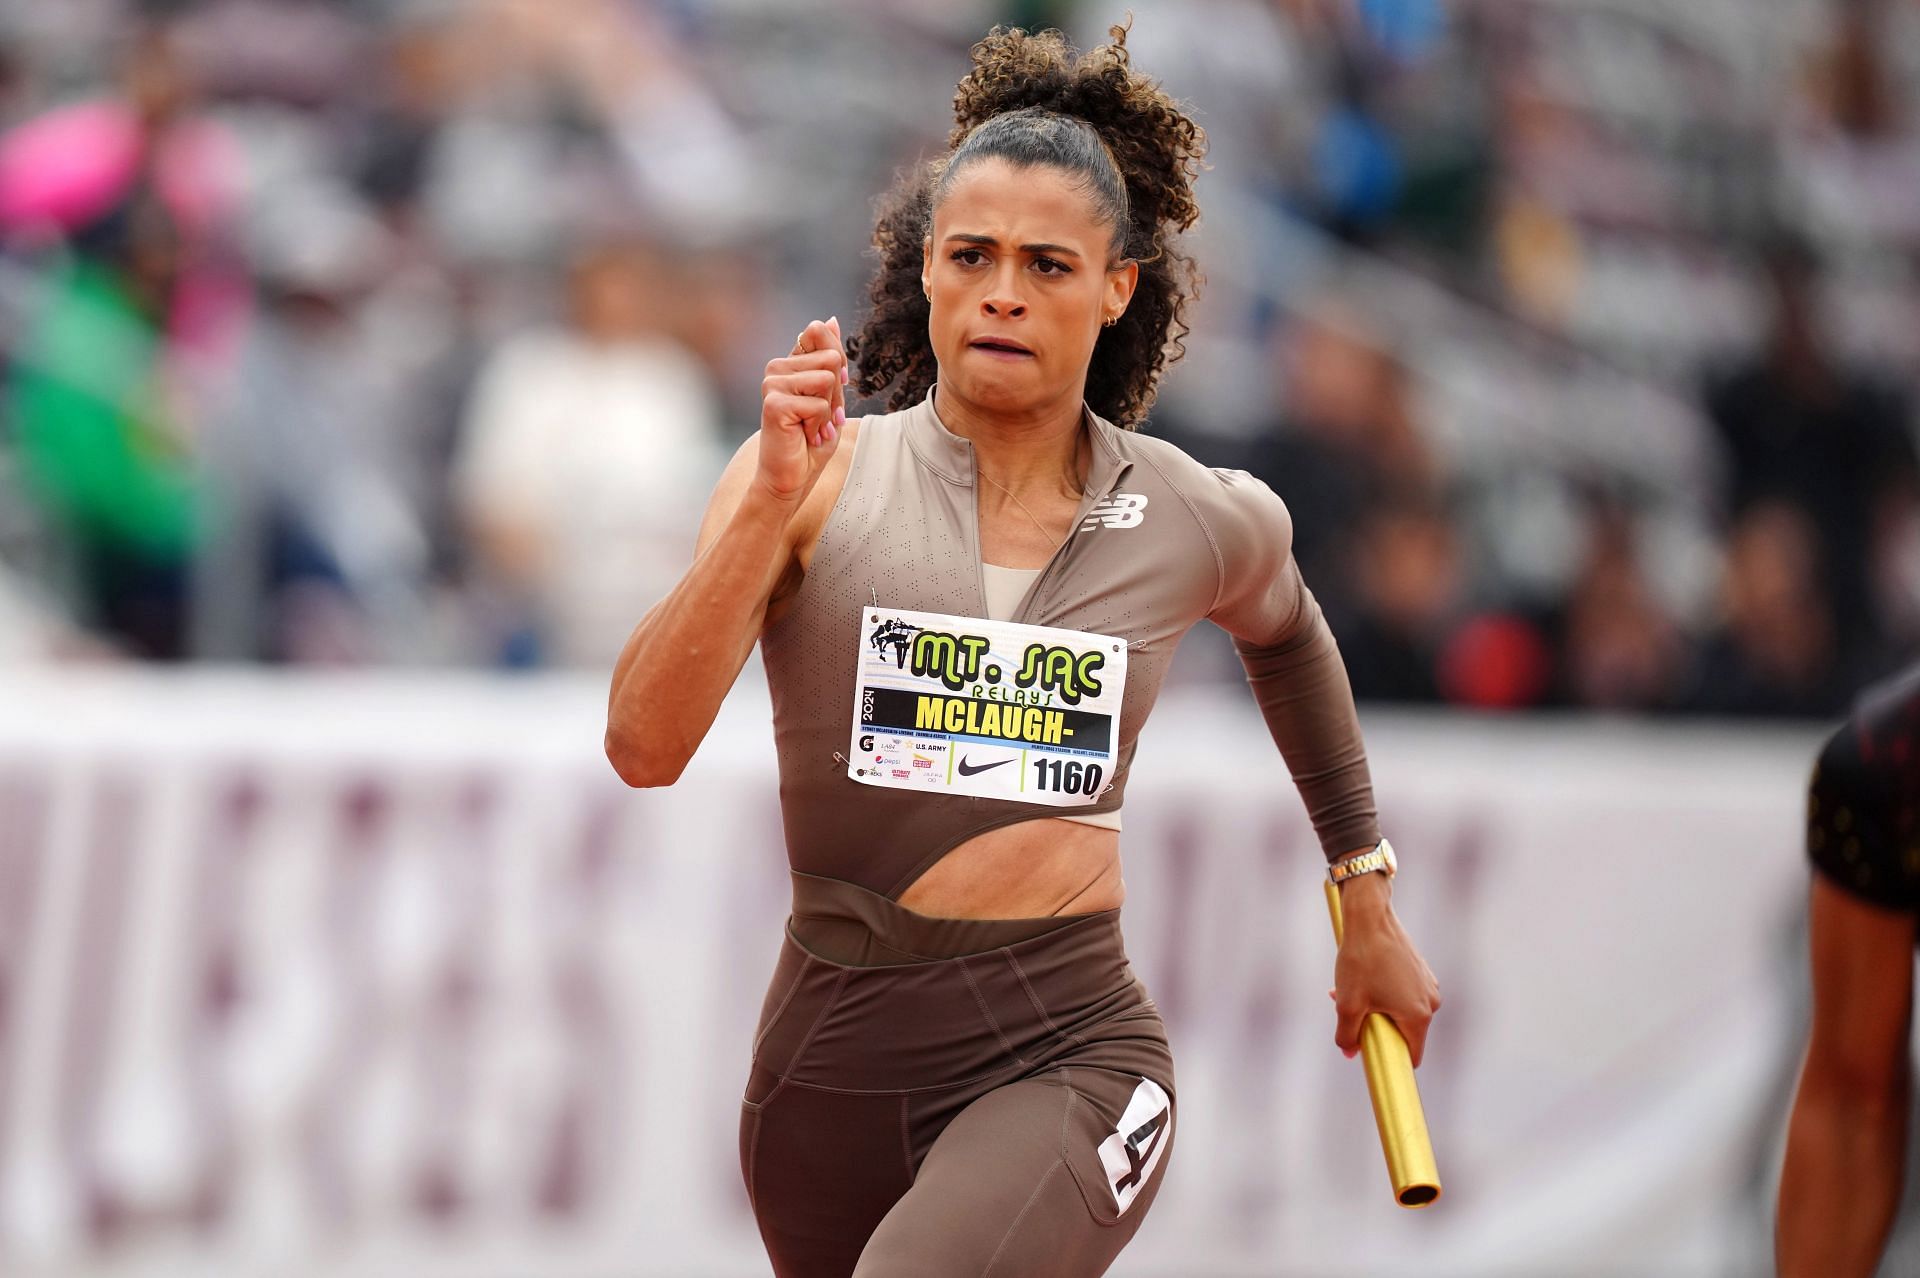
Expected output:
(1121, 281)
(926, 266)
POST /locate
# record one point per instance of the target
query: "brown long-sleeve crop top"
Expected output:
(1160, 542)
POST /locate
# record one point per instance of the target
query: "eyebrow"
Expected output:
(990, 242)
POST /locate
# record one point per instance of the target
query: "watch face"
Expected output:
(1393, 862)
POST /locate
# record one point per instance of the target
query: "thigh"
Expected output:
(1048, 1177)
(822, 1168)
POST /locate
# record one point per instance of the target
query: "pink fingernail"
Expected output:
(839, 417)
(829, 435)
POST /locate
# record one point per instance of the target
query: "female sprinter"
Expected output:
(966, 606)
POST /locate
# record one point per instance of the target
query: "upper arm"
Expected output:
(1261, 597)
(1862, 919)
(1862, 958)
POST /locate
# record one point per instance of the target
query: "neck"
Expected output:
(1025, 451)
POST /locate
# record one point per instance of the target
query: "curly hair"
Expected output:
(1032, 101)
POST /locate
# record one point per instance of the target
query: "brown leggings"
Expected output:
(943, 1098)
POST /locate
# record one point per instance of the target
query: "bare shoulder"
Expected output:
(1214, 492)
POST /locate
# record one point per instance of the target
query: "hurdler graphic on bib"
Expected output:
(995, 709)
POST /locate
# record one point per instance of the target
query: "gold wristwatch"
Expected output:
(1377, 858)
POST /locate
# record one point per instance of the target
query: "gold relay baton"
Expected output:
(1395, 1096)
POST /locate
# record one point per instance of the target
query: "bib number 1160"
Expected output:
(1069, 776)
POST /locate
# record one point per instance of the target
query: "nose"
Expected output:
(1003, 299)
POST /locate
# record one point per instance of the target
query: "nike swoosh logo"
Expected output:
(968, 769)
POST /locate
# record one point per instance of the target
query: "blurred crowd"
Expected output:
(1579, 337)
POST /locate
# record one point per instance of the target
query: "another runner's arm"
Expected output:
(1840, 1187)
(684, 655)
(1291, 661)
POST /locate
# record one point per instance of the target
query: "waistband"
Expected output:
(852, 926)
(870, 996)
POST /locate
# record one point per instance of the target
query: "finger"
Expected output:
(819, 383)
(1415, 1032)
(832, 363)
(824, 335)
(820, 335)
(805, 361)
(813, 386)
(808, 414)
(812, 338)
(840, 341)
(807, 403)
(1346, 1031)
(840, 391)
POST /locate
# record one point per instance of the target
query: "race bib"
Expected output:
(995, 709)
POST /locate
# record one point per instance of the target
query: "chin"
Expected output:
(1009, 391)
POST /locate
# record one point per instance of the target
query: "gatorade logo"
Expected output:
(1122, 510)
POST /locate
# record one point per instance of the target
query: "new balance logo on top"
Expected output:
(1122, 510)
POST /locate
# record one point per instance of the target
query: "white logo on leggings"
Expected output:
(1134, 1149)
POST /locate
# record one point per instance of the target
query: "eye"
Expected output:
(1041, 264)
(967, 256)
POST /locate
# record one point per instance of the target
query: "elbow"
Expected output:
(640, 766)
(1874, 1090)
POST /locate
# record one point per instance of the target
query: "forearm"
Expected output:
(1301, 687)
(683, 657)
(1841, 1184)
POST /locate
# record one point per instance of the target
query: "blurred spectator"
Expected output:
(1853, 159)
(1346, 437)
(1803, 427)
(316, 552)
(587, 458)
(1537, 196)
(124, 198)
(82, 173)
(1406, 600)
(1775, 651)
(1618, 648)
(96, 447)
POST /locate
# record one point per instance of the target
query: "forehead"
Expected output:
(1041, 204)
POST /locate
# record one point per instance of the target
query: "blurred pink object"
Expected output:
(67, 167)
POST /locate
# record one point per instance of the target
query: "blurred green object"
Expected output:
(84, 398)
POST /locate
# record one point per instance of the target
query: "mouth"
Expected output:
(1002, 347)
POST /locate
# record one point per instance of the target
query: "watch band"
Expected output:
(1378, 859)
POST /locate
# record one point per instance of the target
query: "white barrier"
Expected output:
(390, 976)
